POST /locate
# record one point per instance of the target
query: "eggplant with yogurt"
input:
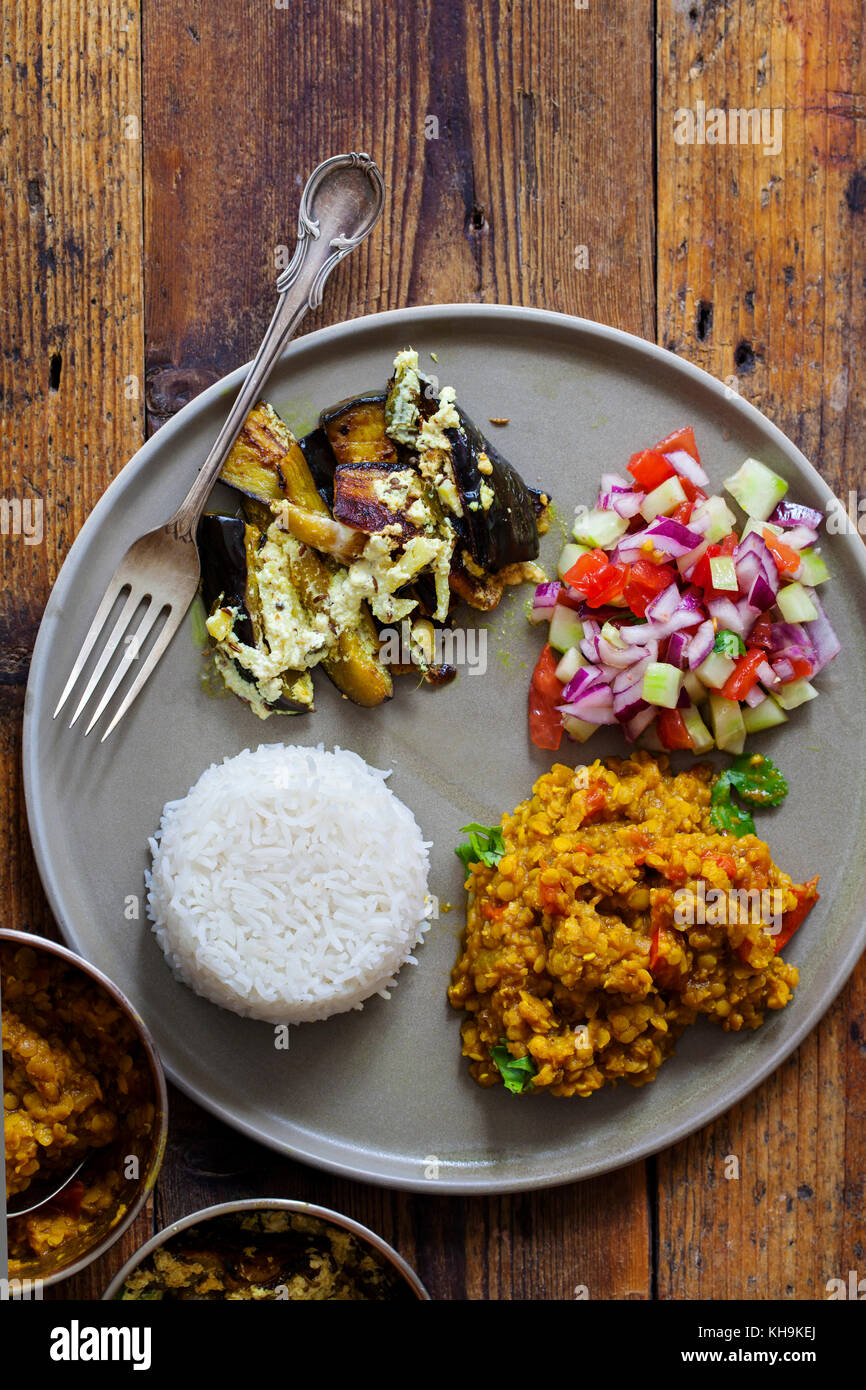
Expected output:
(390, 511)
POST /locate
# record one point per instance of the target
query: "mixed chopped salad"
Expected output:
(687, 627)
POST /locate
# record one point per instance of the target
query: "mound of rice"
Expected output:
(289, 884)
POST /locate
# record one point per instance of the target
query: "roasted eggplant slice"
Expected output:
(223, 555)
(343, 543)
(356, 430)
(499, 511)
(355, 667)
(374, 496)
(353, 662)
(321, 462)
(253, 464)
(266, 463)
(227, 548)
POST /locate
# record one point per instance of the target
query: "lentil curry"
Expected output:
(585, 950)
(75, 1080)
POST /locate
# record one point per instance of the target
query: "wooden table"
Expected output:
(152, 155)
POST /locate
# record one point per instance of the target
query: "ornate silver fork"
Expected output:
(340, 206)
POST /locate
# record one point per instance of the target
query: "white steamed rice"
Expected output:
(289, 883)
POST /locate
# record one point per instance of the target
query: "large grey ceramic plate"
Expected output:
(384, 1094)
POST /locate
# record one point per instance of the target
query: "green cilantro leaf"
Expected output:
(727, 814)
(757, 779)
(485, 845)
(729, 643)
(516, 1072)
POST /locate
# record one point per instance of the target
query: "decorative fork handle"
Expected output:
(340, 206)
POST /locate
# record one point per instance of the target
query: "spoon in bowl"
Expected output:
(39, 1194)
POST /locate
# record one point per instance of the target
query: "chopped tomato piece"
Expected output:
(683, 513)
(725, 863)
(665, 974)
(744, 674)
(760, 635)
(801, 666)
(672, 730)
(702, 575)
(545, 693)
(786, 557)
(692, 491)
(649, 469)
(596, 578)
(595, 802)
(680, 439)
(807, 895)
(644, 581)
(492, 912)
(585, 568)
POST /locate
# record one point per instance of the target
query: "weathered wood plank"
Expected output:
(507, 140)
(71, 345)
(760, 280)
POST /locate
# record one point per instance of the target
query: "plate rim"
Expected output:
(484, 1181)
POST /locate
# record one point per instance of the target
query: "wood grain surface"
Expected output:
(152, 157)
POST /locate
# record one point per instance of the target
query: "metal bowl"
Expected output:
(72, 1257)
(334, 1218)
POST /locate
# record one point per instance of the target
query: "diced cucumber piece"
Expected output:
(795, 693)
(566, 629)
(722, 519)
(697, 729)
(570, 556)
(759, 527)
(578, 729)
(813, 570)
(599, 528)
(766, 715)
(664, 499)
(612, 634)
(715, 670)
(795, 605)
(570, 664)
(723, 574)
(757, 489)
(728, 727)
(694, 687)
(661, 684)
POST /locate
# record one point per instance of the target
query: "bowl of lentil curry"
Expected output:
(585, 956)
(266, 1249)
(81, 1080)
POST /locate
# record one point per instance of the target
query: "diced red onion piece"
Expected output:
(821, 635)
(685, 465)
(627, 504)
(587, 678)
(544, 601)
(664, 605)
(800, 536)
(767, 676)
(737, 617)
(754, 697)
(636, 725)
(701, 644)
(796, 514)
(678, 650)
(620, 657)
(761, 595)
